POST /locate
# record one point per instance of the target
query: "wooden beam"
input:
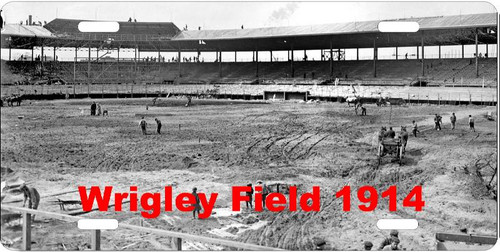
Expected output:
(466, 238)
(177, 244)
(26, 231)
(95, 243)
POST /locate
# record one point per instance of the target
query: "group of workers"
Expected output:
(392, 241)
(96, 110)
(438, 121)
(143, 125)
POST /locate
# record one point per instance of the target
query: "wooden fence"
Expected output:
(96, 234)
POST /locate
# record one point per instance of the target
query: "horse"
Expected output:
(351, 99)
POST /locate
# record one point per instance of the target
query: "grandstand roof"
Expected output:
(165, 36)
(70, 26)
(26, 31)
(426, 23)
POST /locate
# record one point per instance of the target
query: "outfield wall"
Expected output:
(329, 92)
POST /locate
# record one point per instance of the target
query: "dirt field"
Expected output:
(216, 144)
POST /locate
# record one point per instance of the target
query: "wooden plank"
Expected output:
(69, 218)
(240, 245)
(177, 244)
(95, 239)
(26, 231)
(466, 238)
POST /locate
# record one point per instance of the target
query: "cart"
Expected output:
(392, 147)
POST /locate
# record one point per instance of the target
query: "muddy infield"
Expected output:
(216, 144)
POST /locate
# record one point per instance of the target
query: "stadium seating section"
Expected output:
(439, 72)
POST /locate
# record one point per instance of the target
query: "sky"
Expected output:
(232, 15)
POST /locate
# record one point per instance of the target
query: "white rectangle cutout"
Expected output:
(98, 26)
(102, 224)
(397, 224)
(398, 26)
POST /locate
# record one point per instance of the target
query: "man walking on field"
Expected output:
(143, 125)
(453, 120)
(471, 123)
(158, 126)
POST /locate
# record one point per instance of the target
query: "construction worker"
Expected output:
(368, 245)
(98, 109)
(437, 122)
(197, 206)
(158, 126)
(265, 192)
(453, 120)
(392, 240)
(249, 194)
(404, 138)
(415, 129)
(143, 125)
(32, 196)
(390, 133)
(381, 134)
(92, 109)
(471, 123)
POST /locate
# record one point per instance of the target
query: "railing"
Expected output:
(442, 237)
(96, 234)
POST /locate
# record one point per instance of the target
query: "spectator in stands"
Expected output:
(130, 19)
(242, 27)
(480, 55)
(199, 28)
(135, 20)
(406, 56)
(486, 55)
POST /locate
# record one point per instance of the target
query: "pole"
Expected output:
(74, 65)
(220, 63)
(463, 54)
(26, 231)
(331, 59)
(10, 53)
(256, 63)
(54, 54)
(396, 53)
(423, 55)
(88, 73)
(291, 62)
(439, 51)
(477, 55)
(374, 58)
(179, 59)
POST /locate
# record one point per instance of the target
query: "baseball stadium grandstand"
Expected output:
(103, 65)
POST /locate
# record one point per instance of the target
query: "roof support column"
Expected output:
(396, 53)
(418, 53)
(118, 52)
(74, 65)
(97, 55)
(88, 68)
(331, 59)
(463, 54)
(179, 60)
(32, 53)
(220, 63)
(54, 54)
(41, 58)
(305, 55)
(477, 54)
(257, 63)
(235, 56)
(292, 71)
(486, 54)
(357, 54)
(375, 57)
(271, 55)
(439, 51)
(423, 54)
(10, 53)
